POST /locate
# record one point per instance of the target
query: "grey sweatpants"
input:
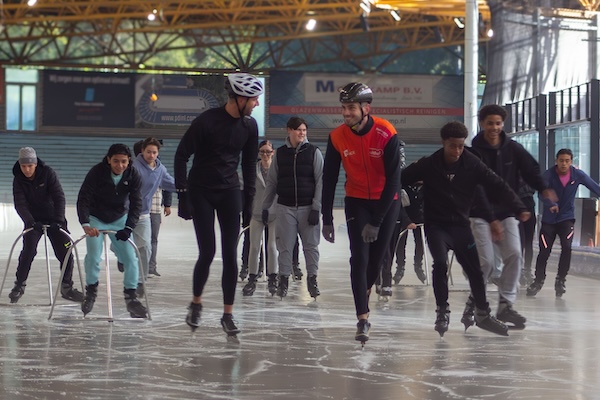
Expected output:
(290, 222)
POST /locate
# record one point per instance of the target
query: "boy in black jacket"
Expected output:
(40, 200)
(103, 205)
(450, 177)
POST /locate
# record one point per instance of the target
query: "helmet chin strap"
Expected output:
(362, 117)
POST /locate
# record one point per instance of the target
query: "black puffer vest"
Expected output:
(296, 180)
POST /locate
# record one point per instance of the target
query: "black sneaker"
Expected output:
(16, 293)
(507, 314)
(90, 298)
(282, 290)
(135, 308)
(362, 330)
(297, 272)
(250, 287)
(313, 288)
(228, 324)
(399, 274)
(193, 315)
(534, 288)
(559, 286)
(153, 272)
(67, 291)
(272, 284)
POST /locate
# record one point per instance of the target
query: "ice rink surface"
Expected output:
(291, 349)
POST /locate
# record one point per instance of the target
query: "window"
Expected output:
(21, 86)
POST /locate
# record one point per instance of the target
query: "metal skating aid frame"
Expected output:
(45, 234)
(263, 249)
(110, 317)
(424, 243)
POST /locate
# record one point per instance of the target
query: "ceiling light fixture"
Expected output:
(31, 3)
(396, 15)
(459, 22)
(311, 24)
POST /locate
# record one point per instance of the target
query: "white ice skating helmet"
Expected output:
(242, 84)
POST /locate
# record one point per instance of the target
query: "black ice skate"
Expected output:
(507, 314)
(243, 272)
(468, 317)
(297, 272)
(313, 288)
(420, 273)
(135, 308)
(272, 284)
(193, 316)
(386, 291)
(90, 298)
(16, 293)
(250, 287)
(534, 288)
(362, 331)
(67, 291)
(282, 290)
(228, 324)
(486, 321)
(442, 320)
(559, 286)
(399, 274)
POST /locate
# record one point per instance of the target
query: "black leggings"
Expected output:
(228, 206)
(366, 258)
(441, 239)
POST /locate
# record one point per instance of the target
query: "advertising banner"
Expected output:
(88, 99)
(407, 101)
(176, 100)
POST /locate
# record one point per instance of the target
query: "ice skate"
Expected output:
(243, 272)
(67, 291)
(228, 324)
(488, 322)
(193, 316)
(90, 298)
(250, 287)
(534, 288)
(297, 272)
(385, 293)
(362, 331)
(313, 288)
(399, 274)
(559, 286)
(135, 308)
(282, 290)
(468, 317)
(16, 293)
(507, 314)
(420, 273)
(526, 279)
(272, 284)
(442, 320)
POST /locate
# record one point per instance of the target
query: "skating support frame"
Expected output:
(110, 317)
(425, 262)
(47, 254)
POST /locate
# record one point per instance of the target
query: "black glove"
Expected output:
(313, 217)
(369, 233)
(265, 217)
(54, 227)
(38, 226)
(123, 234)
(185, 208)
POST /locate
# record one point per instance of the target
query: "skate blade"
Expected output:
(500, 333)
(515, 327)
(232, 339)
(384, 299)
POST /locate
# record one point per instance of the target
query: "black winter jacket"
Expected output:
(100, 197)
(511, 162)
(448, 191)
(41, 199)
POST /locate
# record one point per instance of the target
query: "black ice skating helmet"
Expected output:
(242, 84)
(356, 92)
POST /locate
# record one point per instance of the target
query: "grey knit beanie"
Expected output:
(27, 156)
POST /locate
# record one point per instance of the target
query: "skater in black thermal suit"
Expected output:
(450, 177)
(216, 138)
